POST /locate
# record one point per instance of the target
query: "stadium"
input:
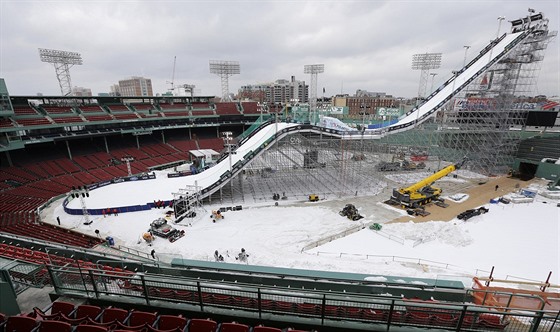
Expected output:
(85, 178)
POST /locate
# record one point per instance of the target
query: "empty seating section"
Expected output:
(91, 109)
(24, 110)
(67, 119)
(176, 114)
(200, 106)
(227, 109)
(51, 233)
(202, 112)
(100, 117)
(250, 108)
(125, 116)
(62, 316)
(173, 107)
(183, 145)
(216, 144)
(33, 121)
(6, 123)
(143, 107)
(58, 109)
(118, 108)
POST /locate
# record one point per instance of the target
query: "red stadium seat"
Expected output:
(234, 327)
(54, 326)
(20, 324)
(138, 320)
(202, 325)
(90, 328)
(265, 329)
(169, 323)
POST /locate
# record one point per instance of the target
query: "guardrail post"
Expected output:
(145, 288)
(461, 318)
(537, 322)
(83, 280)
(199, 290)
(259, 302)
(554, 322)
(323, 307)
(391, 309)
(94, 285)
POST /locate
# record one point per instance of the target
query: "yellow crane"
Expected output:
(422, 191)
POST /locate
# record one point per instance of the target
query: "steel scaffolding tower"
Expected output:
(479, 122)
(62, 61)
(225, 69)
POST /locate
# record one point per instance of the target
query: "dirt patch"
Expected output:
(478, 195)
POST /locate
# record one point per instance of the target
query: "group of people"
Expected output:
(107, 212)
(241, 256)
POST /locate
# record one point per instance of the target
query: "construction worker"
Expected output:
(148, 237)
(242, 256)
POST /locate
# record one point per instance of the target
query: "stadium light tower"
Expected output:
(424, 62)
(224, 69)
(313, 70)
(62, 61)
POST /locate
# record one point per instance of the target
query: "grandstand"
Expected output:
(50, 147)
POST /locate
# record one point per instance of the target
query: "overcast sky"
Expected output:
(364, 45)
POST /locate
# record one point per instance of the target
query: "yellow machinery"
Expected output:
(313, 198)
(422, 191)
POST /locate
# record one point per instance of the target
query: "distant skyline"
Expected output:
(365, 45)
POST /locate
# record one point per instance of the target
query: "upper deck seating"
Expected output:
(250, 108)
(227, 109)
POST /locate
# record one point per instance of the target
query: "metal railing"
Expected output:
(319, 308)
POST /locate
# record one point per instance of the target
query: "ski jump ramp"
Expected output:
(141, 193)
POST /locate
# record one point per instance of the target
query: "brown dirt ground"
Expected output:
(479, 194)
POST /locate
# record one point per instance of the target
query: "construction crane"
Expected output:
(422, 191)
(173, 75)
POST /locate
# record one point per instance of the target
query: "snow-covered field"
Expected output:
(519, 240)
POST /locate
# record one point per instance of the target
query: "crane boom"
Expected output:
(422, 192)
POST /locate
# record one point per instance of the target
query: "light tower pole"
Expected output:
(224, 69)
(465, 58)
(424, 62)
(313, 70)
(432, 86)
(127, 160)
(81, 193)
(62, 61)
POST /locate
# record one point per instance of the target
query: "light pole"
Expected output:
(363, 113)
(227, 143)
(500, 19)
(432, 86)
(465, 58)
(82, 193)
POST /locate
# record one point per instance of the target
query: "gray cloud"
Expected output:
(363, 44)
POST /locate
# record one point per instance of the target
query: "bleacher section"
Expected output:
(30, 122)
(6, 123)
(67, 119)
(51, 233)
(91, 109)
(58, 109)
(201, 109)
(216, 144)
(63, 316)
(539, 148)
(227, 109)
(24, 110)
(250, 108)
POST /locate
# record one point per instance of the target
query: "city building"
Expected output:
(79, 91)
(281, 91)
(136, 87)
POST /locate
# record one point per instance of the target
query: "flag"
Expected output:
(549, 104)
